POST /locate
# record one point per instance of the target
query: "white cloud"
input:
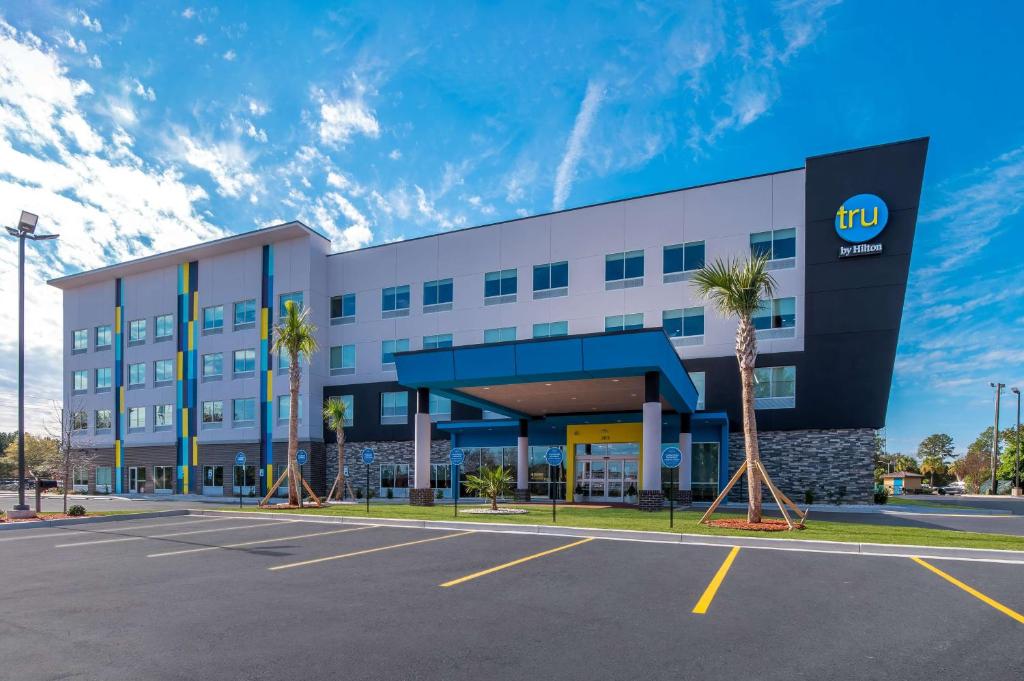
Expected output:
(75, 45)
(106, 206)
(801, 21)
(79, 17)
(395, 154)
(188, 13)
(574, 147)
(226, 162)
(258, 134)
(141, 90)
(478, 203)
(95, 61)
(200, 39)
(230, 55)
(340, 119)
(258, 108)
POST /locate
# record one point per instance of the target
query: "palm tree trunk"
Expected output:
(294, 376)
(341, 464)
(746, 355)
(494, 503)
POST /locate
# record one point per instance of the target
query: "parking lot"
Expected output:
(258, 597)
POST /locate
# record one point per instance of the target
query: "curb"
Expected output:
(62, 522)
(766, 544)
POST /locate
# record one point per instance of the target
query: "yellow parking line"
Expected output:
(258, 541)
(1012, 614)
(160, 536)
(366, 551)
(709, 593)
(517, 561)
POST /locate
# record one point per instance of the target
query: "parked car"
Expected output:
(952, 488)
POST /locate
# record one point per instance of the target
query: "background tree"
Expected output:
(1009, 453)
(736, 288)
(335, 412)
(295, 336)
(40, 456)
(933, 452)
(69, 457)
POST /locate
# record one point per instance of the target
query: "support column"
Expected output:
(651, 495)
(421, 494)
(684, 494)
(523, 462)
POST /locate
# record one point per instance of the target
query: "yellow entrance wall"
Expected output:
(597, 434)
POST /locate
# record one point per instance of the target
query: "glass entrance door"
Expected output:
(705, 471)
(606, 473)
(136, 480)
(163, 479)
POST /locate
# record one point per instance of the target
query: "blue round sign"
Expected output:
(457, 456)
(368, 456)
(861, 218)
(240, 459)
(302, 457)
(554, 456)
(671, 457)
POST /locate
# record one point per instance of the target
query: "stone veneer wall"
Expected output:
(384, 452)
(836, 465)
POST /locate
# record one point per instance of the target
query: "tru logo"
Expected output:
(861, 218)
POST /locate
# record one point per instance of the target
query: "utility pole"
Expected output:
(995, 435)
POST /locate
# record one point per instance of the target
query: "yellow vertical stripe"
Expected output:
(117, 319)
(117, 453)
(191, 345)
(195, 305)
(195, 451)
(270, 475)
(270, 386)
(184, 421)
(264, 323)
(121, 409)
(184, 278)
(184, 478)
(181, 366)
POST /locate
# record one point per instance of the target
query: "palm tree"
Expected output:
(294, 335)
(492, 483)
(931, 465)
(335, 413)
(736, 288)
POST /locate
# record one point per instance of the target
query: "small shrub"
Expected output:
(76, 510)
(881, 494)
(359, 492)
(808, 496)
(391, 493)
(440, 493)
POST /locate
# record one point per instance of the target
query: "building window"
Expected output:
(440, 476)
(213, 476)
(437, 295)
(136, 331)
(284, 408)
(500, 287)
(343, 309)
(343, 359)
(388, 349)
(350, 406)
(685, 323)
(102, 419)
(441, 340)
(550, 329)
(295, 297)
(163, 371)
(213, 365)
(79, 341)
(243, 411)
(779, 246)
(244, 361)
(136, 418)
(502, 335)
(103, 478)
(136, 375)
(551, 280)
(213, 318)
(80, 381)
(775, 387)
(624, 322)
(440, 408)
(245, 313)
(682, 258)
(394, 301)
(103, 336)
(778, 313)
(79, 420)
(394, 476)
(284, 361)
(624, 270)
(103, 378)
(697, 377)
(81, 478)
(164, 326)
(394, 408)
(163, 416)
(213, 413)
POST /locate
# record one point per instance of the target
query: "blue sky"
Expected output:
(139, 127)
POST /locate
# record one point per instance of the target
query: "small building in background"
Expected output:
(902, 482)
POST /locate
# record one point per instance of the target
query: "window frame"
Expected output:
(169, 417)
(775, 260)
(107, 385)
(135, 370)
(434, 295)
(137, 428)
(235, 402)
(219, 357)
(623, 326)
(437, 342)
(216, 322)
(137, 332)
(776, 398)
(157, 335)
(384, 354)
(244, 307)
(544, 279)
(156, 372)
(108, 333)
(506, 292)
(627, 278)
(394, 418)
(294, 296)
(502, 333)
(391, 299)
(76, 334)
(248, 359)
(342, 368)
(96, 420)
(209, 418)
(563, 329)
(343, 318)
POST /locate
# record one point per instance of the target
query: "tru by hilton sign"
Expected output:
(859, 220)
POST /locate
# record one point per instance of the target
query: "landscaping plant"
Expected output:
(492, 482)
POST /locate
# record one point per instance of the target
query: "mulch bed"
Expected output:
(290, 506)
(39, 516)
(766, 525)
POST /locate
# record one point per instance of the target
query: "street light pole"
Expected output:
(1016, 459)
(26, 230)
(995, 435)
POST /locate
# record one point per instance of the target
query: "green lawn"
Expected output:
(685, 522)
(930, 503)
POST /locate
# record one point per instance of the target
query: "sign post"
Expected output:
(301, 457)
(554, 459)
(240, 462)
(457, 456)
(367, 460)
(671, 457)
